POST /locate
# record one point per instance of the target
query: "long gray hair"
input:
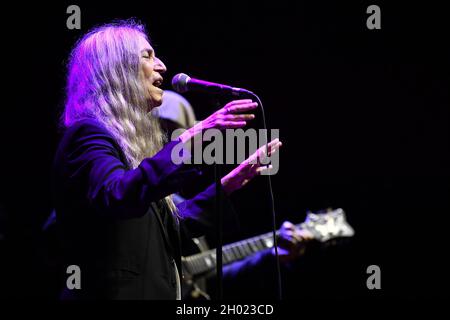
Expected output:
(104, 83)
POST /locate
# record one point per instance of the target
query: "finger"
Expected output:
(230, 105)
(238, 101)
(285, 241)
(239, 117)
(269, 145)
(294, 237)
(292, 240)
(298, 238)
(274, 143)
(288, 233)
(237, 108)
(258, 155)
(288, 225)
(233, 124)
(305, 234)
(261, 170)
(275, 148)
(272, 147)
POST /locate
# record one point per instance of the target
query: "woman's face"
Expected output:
(151, 69)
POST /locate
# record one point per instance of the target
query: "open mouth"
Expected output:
(158, 83)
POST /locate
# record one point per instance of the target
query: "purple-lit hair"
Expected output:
(105, 83)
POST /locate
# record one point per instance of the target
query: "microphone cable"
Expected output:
(272, 201)
(179, 83)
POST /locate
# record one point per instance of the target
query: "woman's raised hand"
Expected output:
(231, 116)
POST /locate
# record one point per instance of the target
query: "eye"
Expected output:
(148, 55)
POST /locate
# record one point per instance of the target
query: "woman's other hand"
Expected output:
(249, 168)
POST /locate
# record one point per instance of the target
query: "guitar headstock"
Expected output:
(328, 225)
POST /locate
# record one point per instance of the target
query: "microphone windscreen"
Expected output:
(179, 82)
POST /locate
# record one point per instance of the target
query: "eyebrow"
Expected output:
(150, 51)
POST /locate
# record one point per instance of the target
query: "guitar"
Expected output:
(323, 226)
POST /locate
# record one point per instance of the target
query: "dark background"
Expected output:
(363, 115)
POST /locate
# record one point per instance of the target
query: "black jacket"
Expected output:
(110, 220)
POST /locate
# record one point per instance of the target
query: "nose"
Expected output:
(160, 66)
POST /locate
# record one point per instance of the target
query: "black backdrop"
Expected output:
(363, 115)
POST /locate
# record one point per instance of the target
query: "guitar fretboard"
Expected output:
(206, 261)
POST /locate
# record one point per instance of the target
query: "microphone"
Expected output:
(183, 83)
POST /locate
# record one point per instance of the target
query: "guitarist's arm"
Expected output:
(249, 276)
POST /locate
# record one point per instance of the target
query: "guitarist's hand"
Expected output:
(292, 242)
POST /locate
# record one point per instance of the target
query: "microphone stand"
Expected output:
(219, 223)
(218, 208)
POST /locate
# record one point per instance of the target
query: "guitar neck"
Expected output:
(206, 261)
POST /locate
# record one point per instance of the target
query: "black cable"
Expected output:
(272, 202)
(219, 216)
